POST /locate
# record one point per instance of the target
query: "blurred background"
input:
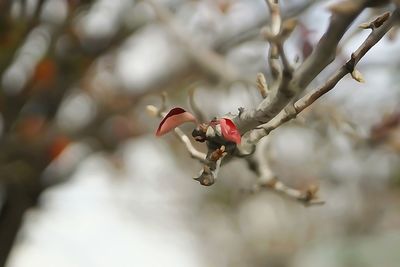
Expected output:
(84, 181)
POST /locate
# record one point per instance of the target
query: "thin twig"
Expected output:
(194, 153)
(268, 180)
(273, 30)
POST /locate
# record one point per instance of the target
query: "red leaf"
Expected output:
(229, 130)
(173, 119)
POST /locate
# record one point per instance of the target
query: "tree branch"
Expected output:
(291, 112)
(323, 55)
(268, 180)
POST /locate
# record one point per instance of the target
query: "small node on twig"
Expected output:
(365, 25)
(357, 76)
(310, 196)
(311, 193)
(376, 23)
(262, 85)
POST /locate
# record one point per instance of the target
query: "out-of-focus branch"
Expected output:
(33, 154)
(267, 180)
(206, 58)
(253, 30)
(274, 29)
(290, 112)
(196, 110)
(222, 44)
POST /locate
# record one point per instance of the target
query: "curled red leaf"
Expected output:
(173, 119)
(229, 130)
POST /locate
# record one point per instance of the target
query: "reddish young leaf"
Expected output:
(173, 119)
(229, 130)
